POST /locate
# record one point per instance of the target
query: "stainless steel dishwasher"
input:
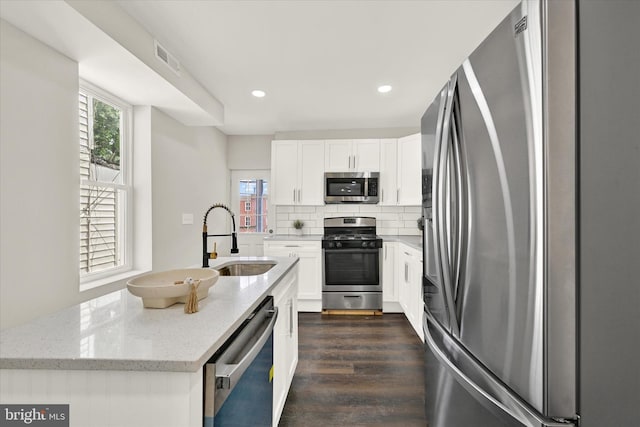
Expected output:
(238, 379)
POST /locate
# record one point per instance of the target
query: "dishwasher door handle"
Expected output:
(228, 375)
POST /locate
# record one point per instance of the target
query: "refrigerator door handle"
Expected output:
(494, 395)
(462, 212)
(442, 211)
(438, 200)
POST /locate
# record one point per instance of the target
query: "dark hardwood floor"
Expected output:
(356, 371)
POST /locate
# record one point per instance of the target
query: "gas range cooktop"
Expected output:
(350, 233)
(350, 237)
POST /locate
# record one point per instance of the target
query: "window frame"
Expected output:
(124, 229)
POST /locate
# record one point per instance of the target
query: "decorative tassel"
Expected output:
(191, 306)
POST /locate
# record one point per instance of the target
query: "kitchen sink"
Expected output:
(245, 268)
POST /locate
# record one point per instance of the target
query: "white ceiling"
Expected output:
(320, 62)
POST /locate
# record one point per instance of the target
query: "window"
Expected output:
(105, 187)
(250, 198)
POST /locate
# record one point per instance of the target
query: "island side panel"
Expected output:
(110, 398)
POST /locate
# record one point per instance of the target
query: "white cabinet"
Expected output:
(401, 171)
(285, 340)
(297, 173)
(309, 266)
(389, 282)
(409, 170)
(388, 172)
(409, 278)
(352, 155)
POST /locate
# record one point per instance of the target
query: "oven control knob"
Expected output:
(338, 245)
(364, 244)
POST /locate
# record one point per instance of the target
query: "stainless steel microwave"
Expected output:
(351, 187)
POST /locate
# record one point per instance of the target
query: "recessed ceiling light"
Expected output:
(258, 93)
(384, 88)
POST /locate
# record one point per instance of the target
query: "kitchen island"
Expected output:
(117, 363)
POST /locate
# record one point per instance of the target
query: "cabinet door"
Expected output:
(409, 170)
(310, 274)
(284, 170)
(389, 283)
(292, 333)
(403, 278)
(366, 155)
(416, 292)
(388, 172)
(310, 173)
(282, 343)
(338, 156)
(309, 264)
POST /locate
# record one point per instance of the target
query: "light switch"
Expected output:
(187, 218)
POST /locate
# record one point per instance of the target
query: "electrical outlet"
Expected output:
(187, 219)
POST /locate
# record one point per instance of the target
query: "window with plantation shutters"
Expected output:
(104, 185)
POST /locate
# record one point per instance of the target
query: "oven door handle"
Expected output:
(353, 250)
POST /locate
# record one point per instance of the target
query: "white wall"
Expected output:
(189, 174)
(39, 211)
(249, 151)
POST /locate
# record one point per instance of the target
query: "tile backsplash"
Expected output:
(391, 220)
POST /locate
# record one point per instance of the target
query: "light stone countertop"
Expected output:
(115, 332)
(413, 241)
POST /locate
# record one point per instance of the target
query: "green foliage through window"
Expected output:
(106, 135)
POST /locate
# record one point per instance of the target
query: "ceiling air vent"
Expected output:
(169, 60)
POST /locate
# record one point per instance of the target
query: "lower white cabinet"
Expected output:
(409, 280)
(285, 340)
(309, 266)
(389, 281)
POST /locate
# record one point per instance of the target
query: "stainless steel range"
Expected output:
(352, 267)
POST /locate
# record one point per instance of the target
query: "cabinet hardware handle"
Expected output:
(290, 317)
(354, 161)
(406, 272)
(294, 195)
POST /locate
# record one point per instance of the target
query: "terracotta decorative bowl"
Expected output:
(159, 290)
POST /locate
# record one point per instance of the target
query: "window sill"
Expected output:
(119, 277)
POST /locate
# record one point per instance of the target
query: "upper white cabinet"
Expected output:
(401, 171)
(409, 170)
(352, 155)
(388, 172)
(296, 173)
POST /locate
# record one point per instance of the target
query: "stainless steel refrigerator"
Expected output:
(531, 205)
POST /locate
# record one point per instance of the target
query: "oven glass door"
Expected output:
(351, 269)
(346, 187)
